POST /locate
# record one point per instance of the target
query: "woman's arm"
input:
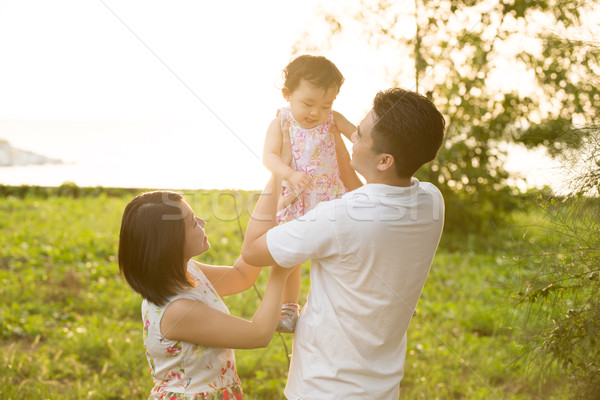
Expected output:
(231, 280)
(197, 322)
(254, 249)
(347, 174)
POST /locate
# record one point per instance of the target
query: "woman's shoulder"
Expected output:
(194, 268)
(204, 290)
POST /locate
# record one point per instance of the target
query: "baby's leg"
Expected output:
(290, 307)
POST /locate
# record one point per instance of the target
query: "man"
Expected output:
(371, 252)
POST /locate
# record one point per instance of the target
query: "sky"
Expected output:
(163, 94)
(116, 88)
(136, 60)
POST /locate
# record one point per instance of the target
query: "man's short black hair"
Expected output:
(409, 127)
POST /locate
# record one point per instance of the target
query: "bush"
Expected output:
(562, 279)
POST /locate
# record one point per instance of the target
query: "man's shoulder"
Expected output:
(430, 188)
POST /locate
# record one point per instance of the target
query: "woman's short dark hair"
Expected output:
(151, 246)
(315, 69)
(409, 127)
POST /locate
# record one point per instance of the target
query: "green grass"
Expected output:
(70, 327)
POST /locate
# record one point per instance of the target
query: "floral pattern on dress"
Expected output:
(234, 392)
(175, 350)
(313, 152)
(146, 325)
(184, 370)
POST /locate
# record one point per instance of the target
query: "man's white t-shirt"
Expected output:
(370, 255)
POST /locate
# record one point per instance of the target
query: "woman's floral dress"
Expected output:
(313, 152)
(183, 370)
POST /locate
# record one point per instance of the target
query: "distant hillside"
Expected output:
(10, 156)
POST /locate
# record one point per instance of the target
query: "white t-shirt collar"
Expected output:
(381, 189)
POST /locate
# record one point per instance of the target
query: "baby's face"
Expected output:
(310, 105)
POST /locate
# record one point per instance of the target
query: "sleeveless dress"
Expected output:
(184, 370)
(313, 152)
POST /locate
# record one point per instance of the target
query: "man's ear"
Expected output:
(386, 161)
(286, 93)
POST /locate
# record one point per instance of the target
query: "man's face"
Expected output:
(363, 157)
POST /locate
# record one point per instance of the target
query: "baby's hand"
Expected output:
(300, 181)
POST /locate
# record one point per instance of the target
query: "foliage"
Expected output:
(70, 326)
(467, 56)
(67, 189)
(562, 279)
(583, 164)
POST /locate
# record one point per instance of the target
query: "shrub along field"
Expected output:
(70, 327)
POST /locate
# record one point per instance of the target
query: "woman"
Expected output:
(188, 331)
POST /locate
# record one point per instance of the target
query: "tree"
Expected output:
(561, 275)
(458, 53)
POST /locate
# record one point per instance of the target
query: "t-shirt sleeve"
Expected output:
(310, 236)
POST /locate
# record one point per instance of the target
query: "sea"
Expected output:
(133, 154)
(179, 155)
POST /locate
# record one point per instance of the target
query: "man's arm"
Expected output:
(254, 249)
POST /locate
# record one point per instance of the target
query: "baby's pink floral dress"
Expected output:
(183, 370)
(313, 152)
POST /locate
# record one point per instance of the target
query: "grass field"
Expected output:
(70, 327)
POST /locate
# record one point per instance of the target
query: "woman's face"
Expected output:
(196, 241)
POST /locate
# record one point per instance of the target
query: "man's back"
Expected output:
(371, 252)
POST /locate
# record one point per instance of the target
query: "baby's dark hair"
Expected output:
(315, 69)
